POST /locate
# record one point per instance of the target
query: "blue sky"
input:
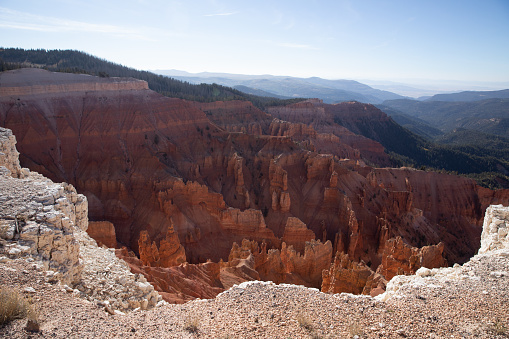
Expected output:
(357, 39)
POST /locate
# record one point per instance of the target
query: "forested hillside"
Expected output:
(488, 116)
(71, 61)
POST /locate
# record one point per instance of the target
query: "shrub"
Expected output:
(498, 328)
(305, 322)
(12, 305)
(192, 325)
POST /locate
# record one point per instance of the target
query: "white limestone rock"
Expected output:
(48, 221)
(495, 233)
(9, 156)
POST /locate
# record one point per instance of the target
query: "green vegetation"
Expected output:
(483, 157)
(480, 156)
(71, 61)
(488, 116)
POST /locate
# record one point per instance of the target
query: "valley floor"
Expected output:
(469, 301)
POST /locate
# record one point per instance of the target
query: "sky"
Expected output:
(397, 40)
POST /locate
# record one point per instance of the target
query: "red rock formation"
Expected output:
(399, 258)
(297, 234)
(170, 252)
(236, 116)
(345, 275)
(144, 160)
(103, 232)
(286, 265)
(321, 117)
(178, 284)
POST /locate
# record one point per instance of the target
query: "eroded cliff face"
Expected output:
(150, 164)
(324, 119)
(103, 232)
(345, 275)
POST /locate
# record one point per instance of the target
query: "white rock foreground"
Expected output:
(46, 253)
(494, 242)
(47, 222)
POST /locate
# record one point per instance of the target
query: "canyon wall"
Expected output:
(155, 166)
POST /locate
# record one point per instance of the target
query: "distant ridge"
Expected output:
(471, 96)
(330, 91)
(488, 115)
(72, 61)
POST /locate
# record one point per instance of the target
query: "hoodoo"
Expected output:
(175, 186)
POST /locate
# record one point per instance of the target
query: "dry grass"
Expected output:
(305, 322)
(12, 305)
(192, 325)
(355, 330)
(499, 328)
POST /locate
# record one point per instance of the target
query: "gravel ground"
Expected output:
(469, 301)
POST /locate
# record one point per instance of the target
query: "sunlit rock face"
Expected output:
(218, 173)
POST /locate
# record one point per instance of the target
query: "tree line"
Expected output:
(72, 61)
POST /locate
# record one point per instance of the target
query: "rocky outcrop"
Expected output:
(9, 156)
(108, 280)
(324, 119)
(495, 232)
(144, 161)
(178, 284)
(236, 116)
(103, 232)
(38, 218)
(47, 222)
(494, 248)
(285, 265)
(297, 234)
(20, 83)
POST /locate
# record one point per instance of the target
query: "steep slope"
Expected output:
(72, 61)
(488, 116)
(414, 124)
(461, 301)
(218, 173)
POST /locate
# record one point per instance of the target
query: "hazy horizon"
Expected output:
(460, 41)
(408, 87)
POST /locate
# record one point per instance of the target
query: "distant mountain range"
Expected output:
(422, 89)
(330, 91)
(471, 96)
(488, 116)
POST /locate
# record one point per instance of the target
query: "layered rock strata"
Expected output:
(399, 258)
(144, 161)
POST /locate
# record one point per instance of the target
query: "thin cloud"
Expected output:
(221, 14)
(293, 45)
(27, 21)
